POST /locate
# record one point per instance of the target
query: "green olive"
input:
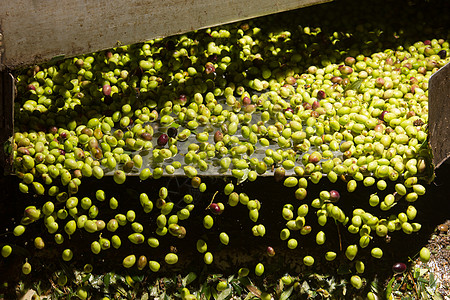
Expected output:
(171, 258)
(351, 252)
(308, 260)
(356, 282)
(259, 269)
(129, 261)
(424, 254)
(67, 255)
(6, 251)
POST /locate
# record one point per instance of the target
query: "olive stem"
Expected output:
(414, 283)
(339, 235)
(212, 200)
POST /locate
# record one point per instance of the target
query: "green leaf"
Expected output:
(354, 86)
(305, 287)
(122, 291)
(244, 178)
(245, 281)
(224, 294)
(344, 270)
(389, 288)
(85, 278)
(214, 293)
(437, 296)
(237, 288)
(138, 278)
(107, 280)
(423, 272)
(189, 278)
(205, 292)
(285, 295)
(56, 59)
(433, 280)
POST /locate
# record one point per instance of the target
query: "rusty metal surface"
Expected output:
(35, 31)
(6, 119)
(439, 115)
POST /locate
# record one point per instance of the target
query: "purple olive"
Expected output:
(31, 87)
(172, 132)
(399, 268)
(106, 90)
(381, 117)
(442, 54)
(162, 140)
(334, 196)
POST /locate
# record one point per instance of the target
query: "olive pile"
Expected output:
(241, 101)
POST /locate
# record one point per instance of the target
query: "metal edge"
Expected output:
(439, 115)
(2, 49)
(7, 94)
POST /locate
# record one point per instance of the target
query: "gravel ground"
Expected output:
(439, 264)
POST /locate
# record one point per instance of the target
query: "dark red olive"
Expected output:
(63, 135)
(270, 251)
(172, 132)
(399, 268)
(427, 42)
(53, 129)
(389, 61)
(246, 101)
(218, 136)
(182, 99)
(209, 68)
(321, 95)
(215, 208)
(31, 87)
(315, 105)
(334, 196)
(381, 117)
(289, 109)
(162, 140)
(306, 106)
